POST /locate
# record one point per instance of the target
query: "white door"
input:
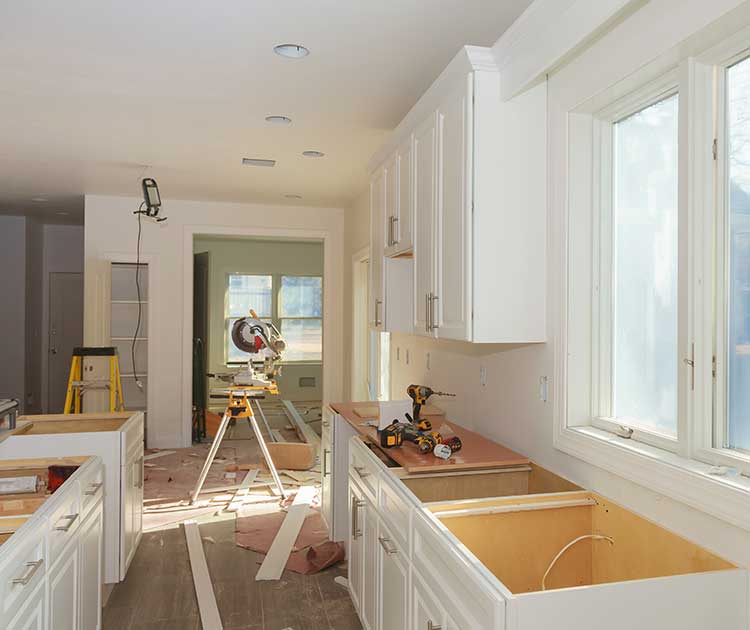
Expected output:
(452, 303)
(393, 606)
(90, 545)
(377, 246)
(356, 541)
(370, 562)
(65, 333)
(63, 584)
(32, 614)
(427, 614)
(360, 329)
(425, 145)
(326, 469)
(403, 227)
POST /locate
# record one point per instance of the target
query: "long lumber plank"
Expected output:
(305, 430)
(278, 554)
(204, 590)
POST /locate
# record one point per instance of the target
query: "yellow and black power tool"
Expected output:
(419, 394)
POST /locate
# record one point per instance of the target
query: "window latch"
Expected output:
(624, 432)
(691, 364)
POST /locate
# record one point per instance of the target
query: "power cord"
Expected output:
(139, 212)
(609, 539)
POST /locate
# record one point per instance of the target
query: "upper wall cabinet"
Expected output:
(476, 201)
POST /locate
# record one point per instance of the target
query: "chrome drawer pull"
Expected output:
(356, 504)
(326, 472)
(93, 489)
(32, 568)
(430, 626)
(384, 544)
(361, 471)
(71, 518)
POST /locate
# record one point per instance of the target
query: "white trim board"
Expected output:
(204, 590)
(242, 491)
(155, 455)
(281, 547)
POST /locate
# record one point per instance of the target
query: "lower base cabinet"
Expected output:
(356, 546)
(90, 551)
(32, 615)
(370, 578)
(427, 613)
(393, 611)
(63, 585)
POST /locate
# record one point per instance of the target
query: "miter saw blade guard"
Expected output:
(263, 342)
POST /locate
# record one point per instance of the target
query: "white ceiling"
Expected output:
(92, 91)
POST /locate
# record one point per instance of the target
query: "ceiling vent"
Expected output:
(258, 162)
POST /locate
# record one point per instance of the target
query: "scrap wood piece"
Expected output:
(157, 454)
(278, 554)
(305, 431)
(204, 590)
(292, 455)
(242, 491)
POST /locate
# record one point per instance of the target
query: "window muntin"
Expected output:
(644, 351)
(736, 435)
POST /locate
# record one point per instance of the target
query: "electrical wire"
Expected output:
(138, 384)
(609, 539)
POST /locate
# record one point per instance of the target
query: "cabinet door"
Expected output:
(356, 545)
(452, 302)
(370, 563)
(32, 615)
(132, 511)
(425, 147)
(427, 614)
(63, 586)
(390, 214)
(90, 549)
(393, 599)
(377, 247)
(326, 470)
(403, 228)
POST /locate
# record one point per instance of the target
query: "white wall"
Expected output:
(508, 409)
(62, 248)
(13, 310)
(261, 257)
(110, 233)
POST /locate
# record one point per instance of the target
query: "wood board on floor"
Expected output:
(204, 590)
(278, 554)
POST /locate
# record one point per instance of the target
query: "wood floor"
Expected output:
(158, 593)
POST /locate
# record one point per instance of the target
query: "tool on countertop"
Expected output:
(420, 394)
(447, 447)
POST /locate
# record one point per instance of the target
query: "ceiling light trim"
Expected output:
(258, 162)
(291, 51)
(313, 154)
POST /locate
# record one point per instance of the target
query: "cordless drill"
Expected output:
(419, 394)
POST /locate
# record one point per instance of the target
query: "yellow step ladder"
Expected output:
(77, 386)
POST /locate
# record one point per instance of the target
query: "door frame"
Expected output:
(46, 330)
(333, 288)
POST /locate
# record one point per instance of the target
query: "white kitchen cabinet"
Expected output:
(355, 551)
(393, 601)
(90, 551)
(425, 161)
(480, 205)
(377, 245)
(63, 588)
(428, 614)
(118, 440)
(326, 469)
(33, 614)
(399, 200)
(370, 581)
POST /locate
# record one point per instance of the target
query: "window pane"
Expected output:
(301, 296)
(738, 394)
(249, 292)
(304, 339)
(645, 269)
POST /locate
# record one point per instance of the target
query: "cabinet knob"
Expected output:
(430, 626)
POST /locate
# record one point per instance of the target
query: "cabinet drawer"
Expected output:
(364, 467)
(64, 522)
(21, 571)
(92, 488)
(394, 507)
(470, 601)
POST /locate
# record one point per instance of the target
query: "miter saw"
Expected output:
(265, 345)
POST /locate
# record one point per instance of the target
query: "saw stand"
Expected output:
(239, 407)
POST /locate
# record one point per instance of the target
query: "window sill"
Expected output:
(726, 497)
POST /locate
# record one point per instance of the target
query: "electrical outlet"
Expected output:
(427, 358)
(483, 376)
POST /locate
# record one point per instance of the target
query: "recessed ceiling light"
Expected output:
(258, 162)
(314, 154)
(293, 196)
(40, 199)
(279, 120)
(292, 51)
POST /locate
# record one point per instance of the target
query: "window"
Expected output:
(300, 313)
(644, 269)
(293, 303)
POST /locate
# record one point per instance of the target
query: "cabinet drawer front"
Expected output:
(394, 507)
(64, 522)
(21, 571)
(470, 601)
(365, 468)
(92, 488)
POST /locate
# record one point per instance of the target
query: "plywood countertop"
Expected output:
(478, 452)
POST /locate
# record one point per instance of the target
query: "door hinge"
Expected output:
(715, 149)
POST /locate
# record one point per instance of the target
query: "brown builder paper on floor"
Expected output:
(312, 551)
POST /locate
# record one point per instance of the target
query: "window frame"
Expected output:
(275, 316)
(713, 480)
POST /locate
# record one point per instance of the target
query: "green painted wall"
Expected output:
(262, 257)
